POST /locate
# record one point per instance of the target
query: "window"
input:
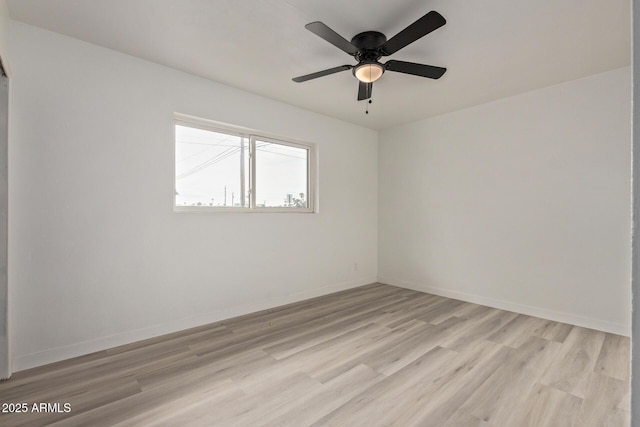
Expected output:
(223, 168)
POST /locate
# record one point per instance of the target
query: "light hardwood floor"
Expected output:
(371, 356)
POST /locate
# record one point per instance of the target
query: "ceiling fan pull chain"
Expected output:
(367, 110)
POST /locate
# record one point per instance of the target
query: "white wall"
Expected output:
(635, 324)
(522, 204)
(5, 363)
(4, 32)
(97, 255)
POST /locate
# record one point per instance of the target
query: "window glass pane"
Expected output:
(281, 175)
(207, 168)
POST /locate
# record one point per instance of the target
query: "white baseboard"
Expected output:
(22, 362)
(558, 316)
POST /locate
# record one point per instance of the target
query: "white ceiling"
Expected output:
(492, 48)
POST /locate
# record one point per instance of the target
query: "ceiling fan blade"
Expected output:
(423, 26)
(364, 90)
(421, 70)
(322, 73)
(321, 30)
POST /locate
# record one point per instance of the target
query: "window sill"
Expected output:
(210, 210)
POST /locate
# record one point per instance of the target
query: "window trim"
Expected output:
(249, 136)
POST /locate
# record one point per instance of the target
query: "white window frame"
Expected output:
(249, 136)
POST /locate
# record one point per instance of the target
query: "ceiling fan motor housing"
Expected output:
(368, 43)
(368, 40)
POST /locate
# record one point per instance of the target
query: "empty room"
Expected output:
(304, 213)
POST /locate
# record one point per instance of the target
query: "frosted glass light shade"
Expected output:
(368, 73)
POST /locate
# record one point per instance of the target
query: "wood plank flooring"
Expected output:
(376, 355)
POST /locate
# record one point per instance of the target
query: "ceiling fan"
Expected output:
(368, 47)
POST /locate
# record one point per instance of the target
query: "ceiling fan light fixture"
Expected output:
(368, 72)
